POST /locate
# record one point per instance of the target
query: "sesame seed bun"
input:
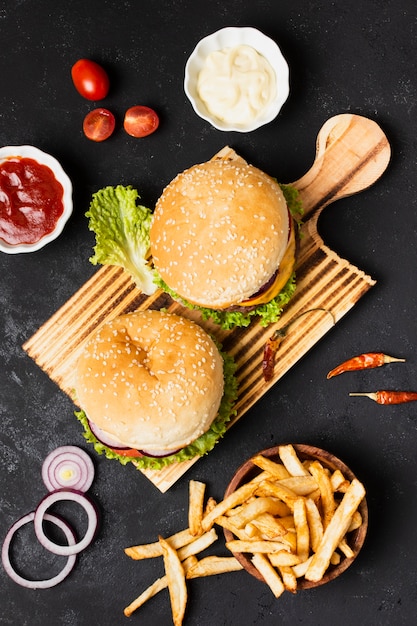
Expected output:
(219, 232)
(152, 380)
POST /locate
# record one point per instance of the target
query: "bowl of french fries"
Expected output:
(294, 516)
(297, 518)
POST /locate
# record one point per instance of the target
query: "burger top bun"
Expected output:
(150, 379)
(219, 232)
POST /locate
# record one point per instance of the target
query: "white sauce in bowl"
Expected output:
(236, 84)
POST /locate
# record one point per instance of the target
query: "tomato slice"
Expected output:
(140, 121)
(90, 79)
(99, 124)
(126, 452)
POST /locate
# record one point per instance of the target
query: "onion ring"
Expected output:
(106, 439)
(37, 584)
(74, 496)
(68, 466)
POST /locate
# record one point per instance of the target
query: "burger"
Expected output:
(223, 240)
(154, 389)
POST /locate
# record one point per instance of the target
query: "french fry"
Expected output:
(266, 547)
(196, 506)
(288, 578)
(290, 540)
(327, 498)
(301, 529)
(288, 522)
(152, 590)
(300, 569)
(198, 544)
(260, 477)
(237, 497)
(268, 488)
(256, 507)
(252, 532)
(210, 504)
(335, 530)
(274, 470)
(338, 481)
(356, 521)
(269, 525)
(346, 549)
(300, 485)
(315, 524)
(284, 558)
(151, 550)
(227, 522)
(269, 573)
(291, 461)
(176, 581)
(211, 565)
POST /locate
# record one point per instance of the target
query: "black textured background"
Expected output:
(357, 57)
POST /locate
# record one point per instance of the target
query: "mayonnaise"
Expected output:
(236, 84)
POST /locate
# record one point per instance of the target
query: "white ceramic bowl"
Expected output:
(228, 38)
(30, 152)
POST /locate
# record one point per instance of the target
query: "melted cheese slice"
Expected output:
(286, 268)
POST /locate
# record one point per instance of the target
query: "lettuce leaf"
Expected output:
(266, 313)
(121, 227)
(199, 447)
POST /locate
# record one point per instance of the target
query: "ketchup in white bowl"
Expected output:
(35, 199)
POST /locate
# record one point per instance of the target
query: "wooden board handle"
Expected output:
(352, 152)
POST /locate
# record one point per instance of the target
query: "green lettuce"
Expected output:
(121, 227)
(199, 447)
(266, 313)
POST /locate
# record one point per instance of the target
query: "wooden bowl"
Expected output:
(356, 538)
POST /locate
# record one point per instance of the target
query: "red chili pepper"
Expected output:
(270, 350)
(390, 397)
(368, 360)
(273, 343)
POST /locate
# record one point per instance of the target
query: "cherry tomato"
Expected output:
(99, 124)
(90, 79)
(140, 121)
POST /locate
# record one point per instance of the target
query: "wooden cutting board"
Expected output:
(352, 153)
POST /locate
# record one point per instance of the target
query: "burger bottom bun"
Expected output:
(152, 380)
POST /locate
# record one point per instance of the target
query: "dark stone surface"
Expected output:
(356, 57)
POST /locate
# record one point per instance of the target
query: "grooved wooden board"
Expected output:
(352, 153)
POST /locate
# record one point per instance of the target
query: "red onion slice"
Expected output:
(74, 496)
(105, 439)
(68, 467)
(159, 454)
(37, 584)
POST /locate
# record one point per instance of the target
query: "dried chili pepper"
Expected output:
(368, 360)
(273, 343)
(389, 397)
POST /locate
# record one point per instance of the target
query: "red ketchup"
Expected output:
(31, 200)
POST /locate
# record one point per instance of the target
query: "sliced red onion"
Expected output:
(38, 584)
(68, 467)
(106, 439)
(159, 453)
(74, 496)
